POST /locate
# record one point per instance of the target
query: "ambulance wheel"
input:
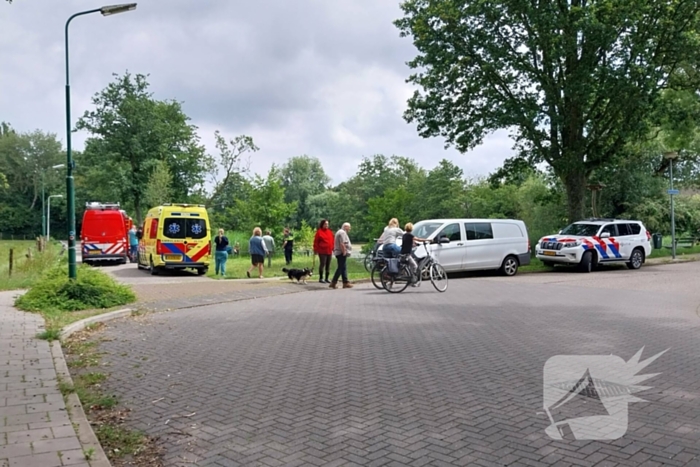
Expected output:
(202, 271)
(153, 270)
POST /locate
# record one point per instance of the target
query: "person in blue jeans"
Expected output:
(133, 244)
(221, 254)
(391, 234)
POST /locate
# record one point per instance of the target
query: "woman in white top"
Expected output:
(391, 234)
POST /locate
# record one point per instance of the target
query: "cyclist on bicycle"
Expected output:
(389, 237)
(408, 241)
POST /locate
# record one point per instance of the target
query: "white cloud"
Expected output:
(312, 77)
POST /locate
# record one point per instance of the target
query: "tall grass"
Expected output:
(25, 271)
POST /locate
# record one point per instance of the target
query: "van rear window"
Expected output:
(184, 227)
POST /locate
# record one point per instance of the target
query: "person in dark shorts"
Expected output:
(407, 242)
(257, 250)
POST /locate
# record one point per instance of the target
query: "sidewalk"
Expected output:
(35, 430)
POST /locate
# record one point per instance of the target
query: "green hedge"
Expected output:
(92, 289)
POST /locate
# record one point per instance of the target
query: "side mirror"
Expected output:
(139, 235)
(605, 235)
(444, 240)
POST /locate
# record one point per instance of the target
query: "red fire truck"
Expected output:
(104, 233)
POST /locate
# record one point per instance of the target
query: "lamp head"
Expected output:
(116, 9)
(671, 155)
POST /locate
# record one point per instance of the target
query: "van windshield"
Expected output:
(184, 227)
(425, 229)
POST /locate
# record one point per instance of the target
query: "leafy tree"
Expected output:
(574, 80)
(230, 164)
(131, 132)
(265, 206)
(323, 206)
(159, 185)
(444, 193)
(515, 171)
(26, 160)
(304, 236)
(303, 177)
(394, 202)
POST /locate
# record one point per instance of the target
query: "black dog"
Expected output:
(299, 274)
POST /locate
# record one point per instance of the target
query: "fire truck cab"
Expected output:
(104, 233)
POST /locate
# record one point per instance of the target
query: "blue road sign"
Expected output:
(672, 192)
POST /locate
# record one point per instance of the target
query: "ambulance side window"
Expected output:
(154, 228)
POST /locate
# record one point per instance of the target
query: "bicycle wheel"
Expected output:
(398, 283)
(368, 261)
(377, 269)
(438, 277)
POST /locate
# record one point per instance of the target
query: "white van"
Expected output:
(477, 244)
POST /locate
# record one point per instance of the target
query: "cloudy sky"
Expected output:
(317, 77)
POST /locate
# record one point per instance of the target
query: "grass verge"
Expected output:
(121, 445)
(62, 301)
(26, 271)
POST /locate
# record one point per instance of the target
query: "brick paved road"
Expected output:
(362, 377)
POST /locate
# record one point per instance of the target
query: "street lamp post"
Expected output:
(671, 156)
(48, 224)
(106, 11)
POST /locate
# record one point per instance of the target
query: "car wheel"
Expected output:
(548, 264)
(153, 270)
(637, 259)
(586, 264)
(510, 266)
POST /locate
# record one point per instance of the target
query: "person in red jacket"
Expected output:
(323, 247)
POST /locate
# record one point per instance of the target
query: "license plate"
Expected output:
(173, 257)
(549, 253)
(95, 252)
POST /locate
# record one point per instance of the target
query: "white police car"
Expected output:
(596, 241)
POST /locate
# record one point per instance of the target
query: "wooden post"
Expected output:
(29, 253)
(12, 254)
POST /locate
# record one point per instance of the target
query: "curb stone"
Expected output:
(83, 323)
(81, 425)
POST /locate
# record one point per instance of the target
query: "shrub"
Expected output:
(92, 289)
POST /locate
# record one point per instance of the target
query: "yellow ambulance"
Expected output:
(175, 236)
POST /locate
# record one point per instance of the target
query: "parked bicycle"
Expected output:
(428, 268)
(370, 257)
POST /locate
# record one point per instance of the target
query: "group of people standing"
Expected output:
(327, 244)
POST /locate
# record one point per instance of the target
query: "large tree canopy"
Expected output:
(131, 132)
(575, 80)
